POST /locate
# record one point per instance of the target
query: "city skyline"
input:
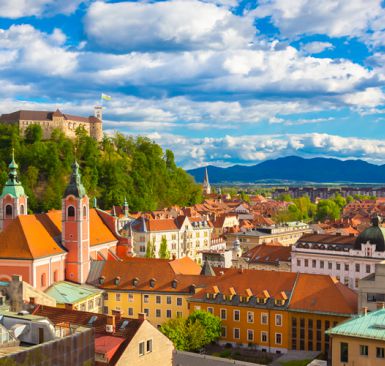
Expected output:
(218, 82)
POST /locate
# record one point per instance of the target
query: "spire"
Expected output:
(206, 183)
(125, 207)
(75, 186)
(13, 186)
(206, 179)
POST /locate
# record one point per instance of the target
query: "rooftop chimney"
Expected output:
(142, 316)
(380, 305)
(364, 310)
(117, 314)
(110, 325)
(69, 306)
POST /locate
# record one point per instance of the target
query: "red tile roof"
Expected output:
(268, 253)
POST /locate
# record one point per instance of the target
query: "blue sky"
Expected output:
(220, 82)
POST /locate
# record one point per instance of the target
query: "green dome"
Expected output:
(374, 235)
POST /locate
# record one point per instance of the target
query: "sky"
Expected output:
(219, 82)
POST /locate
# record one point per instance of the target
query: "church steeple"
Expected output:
(75, 186)
(13, 201)
(206, 183)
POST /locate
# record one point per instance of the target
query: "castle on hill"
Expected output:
(49, 120)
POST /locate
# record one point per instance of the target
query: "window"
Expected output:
(223, 314)
(264, 337)
(321, 264)
(71, 211)
(158, 313)
(314, 263)
(84, 211)
(338, 266)
(168, 313)
(357, 267)
(344, 352)
(141, 348)
(250, 317)
(105, 309)
(380, 352)
(130, 297)
(250, 335)
(278, 338)
(158, 299)
(117, 297)
(168, 299)
(145, 299)
(179, 314)
(298, 263)
(236, 315)
(330, 265)
(142, 248)
(278, 319)
(22, 210)
(210, 310)
(364, 350)
(130, 312)
(8, 211)
(368, 268)
(346, 267)
(147, 312)
(306, 262)
(264, 318)
(43, 280)
(237, 333)
(179, 301)
(149, 346)
(223, 332)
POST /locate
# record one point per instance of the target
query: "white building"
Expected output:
(185, 236)
(348, 258)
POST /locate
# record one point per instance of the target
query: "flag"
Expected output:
(106, 97)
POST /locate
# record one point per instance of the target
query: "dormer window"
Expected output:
(117, 280)
(135, 281)
(279, 302)
(152, 282)
(192, 289)
(101, 280)
(174, 283)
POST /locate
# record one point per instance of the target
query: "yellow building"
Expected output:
(157, 287)
(276, 311)
(359, 341)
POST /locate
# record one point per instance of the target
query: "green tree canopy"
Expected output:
(150, 249)
(327, 209)
(164, 253)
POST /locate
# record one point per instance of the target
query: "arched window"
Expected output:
(85, 211)
(71, 211)
(21, 209)
(43, 280)
(8, 211)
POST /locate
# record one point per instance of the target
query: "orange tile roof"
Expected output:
(186, 266)
(27, 238)
(320, 293)
(268, 253)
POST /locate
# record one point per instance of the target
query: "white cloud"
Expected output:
(335, 18)
(174, 24)
(24, 8)
(370, 97)
(317, 47)
(28, 49)
(224, 151)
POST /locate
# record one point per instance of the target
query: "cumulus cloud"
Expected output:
(27, 49)
(24, 8)
(224, 151)
(336, 18)
(172, 24)
(317, 47)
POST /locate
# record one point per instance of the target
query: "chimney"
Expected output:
(69, 306)
(117, 314)
(364, 310)
(110, 325)
(141, 316)
(380, 305)
(32, 301)
(17, 278)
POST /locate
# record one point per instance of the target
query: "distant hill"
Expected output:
(294, 168)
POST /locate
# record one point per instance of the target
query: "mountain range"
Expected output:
(296, 169)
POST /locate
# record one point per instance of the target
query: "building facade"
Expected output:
(348, 258)
(50, 121)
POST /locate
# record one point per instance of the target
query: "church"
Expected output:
(57, 245)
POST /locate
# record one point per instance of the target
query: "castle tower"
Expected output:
(96, 123)
(13, 200)
(76, 228)
(206, 184)
(125, 207)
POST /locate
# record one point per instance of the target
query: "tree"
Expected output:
(150, 249)
(340, 201)
(191, 334)
(33, 133)
(163, 253)
(327, 209)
